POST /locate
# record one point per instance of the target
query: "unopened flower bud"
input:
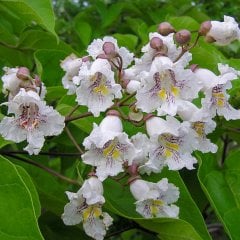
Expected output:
(205, 28)
(133, 86)
(112, 122)
(23, 73)
(183, 37)
(156, 43)
(109, 48)
(165, 28)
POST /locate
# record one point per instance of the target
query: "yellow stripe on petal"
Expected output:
(162, 94)
(199, 128)
(154, 208)
(175, 91)
(111, 150)
(167, 153)
(102, 89)
(173, 146)
(220, 99)
(91, 211)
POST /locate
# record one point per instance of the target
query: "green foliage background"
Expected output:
(39, 34)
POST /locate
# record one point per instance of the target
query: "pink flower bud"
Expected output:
(205, 28)
(23, 73)
(109, 48)
(156, 43)
(165, 28)
(183, 37)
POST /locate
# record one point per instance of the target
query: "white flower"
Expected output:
(216, 97)
(171, 144)
(224, 32)
(86, 206)
(97, 86)
(165, 87)
(10, 81)
(71, 65)
(155, 199)
(32, 121)
(202, 124)
(96, 48)
(108, 148)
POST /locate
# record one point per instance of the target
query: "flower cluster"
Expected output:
(31, 118)
(164, 84)
(158, 89)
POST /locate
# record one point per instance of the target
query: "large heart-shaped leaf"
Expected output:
(20, 207)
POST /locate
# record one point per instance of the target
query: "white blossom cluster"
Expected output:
(164, 87)
(31, 119)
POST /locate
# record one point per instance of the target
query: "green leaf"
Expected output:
(109, 14)
(29, 11)
(222, 187)
(6, 33)
(188, 23)
(54, 93)
(48, 66)
(51, 192)
(127, 40)
(16, 57)
(20, 206)
(207, 56)
(84, 31)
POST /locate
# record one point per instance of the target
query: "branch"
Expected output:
(73, 140)
(43, 167)
(225, 147)
(83, 115)
(41, 153)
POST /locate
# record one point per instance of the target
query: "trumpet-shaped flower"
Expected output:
(155, 199)
(166, 87)
(97, 86)
(171, 144)
(216, 97)
(108, 148)
(32, 121)
(86, 206)
(202, 124)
